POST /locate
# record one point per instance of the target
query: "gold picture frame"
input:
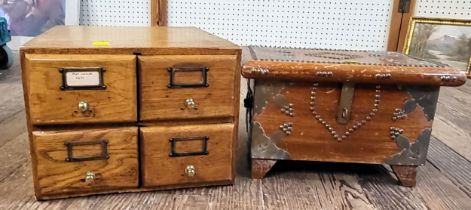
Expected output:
(440, 40)
(469, 68)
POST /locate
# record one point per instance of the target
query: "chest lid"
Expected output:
(348, 66)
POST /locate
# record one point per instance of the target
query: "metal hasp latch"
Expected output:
(344, 110)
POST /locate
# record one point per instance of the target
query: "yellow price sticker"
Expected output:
(101, 43)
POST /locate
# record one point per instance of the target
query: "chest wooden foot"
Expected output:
(260, 167)
(405, 174)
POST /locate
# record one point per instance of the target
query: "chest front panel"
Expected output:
(300, 121)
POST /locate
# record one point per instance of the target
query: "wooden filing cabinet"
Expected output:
(119, 109)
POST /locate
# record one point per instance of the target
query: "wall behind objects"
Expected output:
(115, 12)
(456, 9)
(337, 24)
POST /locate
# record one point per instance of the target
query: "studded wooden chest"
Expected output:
(343, 106)
(117, 109)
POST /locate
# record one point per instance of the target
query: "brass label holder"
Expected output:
(182, 68)
(102, 156)
(84, 72)
(173, 146)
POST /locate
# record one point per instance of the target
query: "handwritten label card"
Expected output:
(82, 78)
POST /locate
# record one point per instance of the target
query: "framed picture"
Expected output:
(29, 18)
(445, 41)
(469, 68)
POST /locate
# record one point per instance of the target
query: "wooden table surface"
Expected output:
(443, 183)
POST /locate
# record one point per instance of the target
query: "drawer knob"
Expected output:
(83, 106)
(190, 103)
(90, 176)
(190, 170)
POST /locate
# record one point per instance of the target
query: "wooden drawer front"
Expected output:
(82, 161)
(167, 163)
(50, 102)
(212, 97)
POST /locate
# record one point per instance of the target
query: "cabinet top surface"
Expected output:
(102, 37)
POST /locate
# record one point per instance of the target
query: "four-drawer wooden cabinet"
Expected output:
(118, 109)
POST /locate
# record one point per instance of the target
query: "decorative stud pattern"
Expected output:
(286, 53)
(333, 55)
(286, 128)
(395, 132)
(375, 58)
(448, 78)
(288, 110)
(259, 70)
(399, 114)
(383, 76)
(324, 74)
(355, 126)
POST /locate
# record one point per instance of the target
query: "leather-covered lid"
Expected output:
(348, 66)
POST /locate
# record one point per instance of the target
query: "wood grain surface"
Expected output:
(355, 73)
(363, 67)
(160, 169)
(159, 102)
(130, 40)
(261, 167)
(49, 104)
(443, 183)
(56, 176)
(310, 140)
(405, 174)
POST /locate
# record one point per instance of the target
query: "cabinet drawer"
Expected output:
(179, 155)
(85, 161)
(66, 89)
(187, 87)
